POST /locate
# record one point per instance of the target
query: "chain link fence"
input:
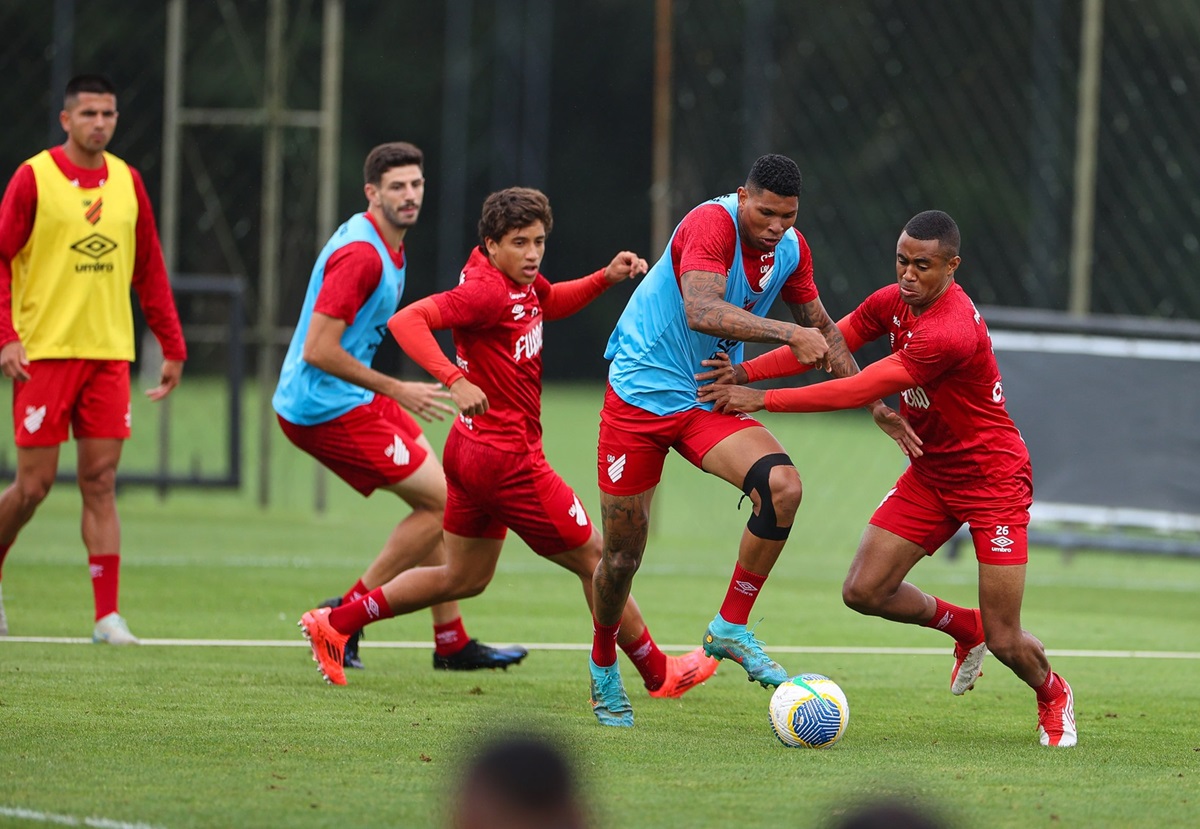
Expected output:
(891, 107)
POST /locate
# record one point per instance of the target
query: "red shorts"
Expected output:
(89, 396)
(370, 446)
(634, 442)
(489, 491)
(998, 515)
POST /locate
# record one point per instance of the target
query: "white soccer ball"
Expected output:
(809, 711)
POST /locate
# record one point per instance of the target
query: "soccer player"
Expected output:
(496, 472)
(352, 418)
(76, 233)
(723, 268)
(972, 466)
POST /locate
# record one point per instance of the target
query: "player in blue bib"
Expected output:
(724, 267)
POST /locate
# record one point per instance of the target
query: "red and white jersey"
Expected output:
(706, 240)
(957, 408)
(497, 328)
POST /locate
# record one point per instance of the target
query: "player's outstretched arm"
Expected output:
(562, 299)
(708, 312)
(722, 372)
(625, 265)
(323, 349)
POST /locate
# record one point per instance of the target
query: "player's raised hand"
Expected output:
(809, 347)
(722, 371)
(727, 398)
(897, 427)
(168, 379)
(423, 399)
(625, 265)
(13, 361)
(470, 399)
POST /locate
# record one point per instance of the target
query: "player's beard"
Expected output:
(396, 220)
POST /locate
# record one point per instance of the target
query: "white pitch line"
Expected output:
(69, 820)
(845, 650)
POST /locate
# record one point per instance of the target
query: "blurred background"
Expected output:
(1059, 133)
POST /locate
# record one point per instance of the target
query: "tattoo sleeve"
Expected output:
(813, 315)
(709, 313)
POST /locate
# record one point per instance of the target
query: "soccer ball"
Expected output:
(809, 711)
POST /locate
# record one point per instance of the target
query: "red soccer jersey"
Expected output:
(705, 241)
(497, 327)
(957, 408)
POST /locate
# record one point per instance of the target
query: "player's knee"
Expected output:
(621, 564)
(1006, 645)
(100, 482)
(31, 490)
(859, 598)
(777, 484)
(471, 584)
(786, 492)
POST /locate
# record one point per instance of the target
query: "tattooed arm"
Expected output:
(838, 361)
(709, 313)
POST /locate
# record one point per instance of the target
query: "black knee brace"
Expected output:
(764, 524)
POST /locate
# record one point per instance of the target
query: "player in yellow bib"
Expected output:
(77, 233)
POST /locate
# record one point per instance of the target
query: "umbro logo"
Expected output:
(96, 570)
(34, 415)
(372, 607)
(616, 468)
(1003, 542)
(745, 588)
(398, 452)
(95, 246)
(945, 620)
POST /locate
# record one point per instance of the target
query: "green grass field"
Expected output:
(248, 736)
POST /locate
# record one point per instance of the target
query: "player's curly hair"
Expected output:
(513, 208)
(776, 173)
(934, 224)
(386, 156)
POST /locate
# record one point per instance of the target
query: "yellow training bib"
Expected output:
(71, 281)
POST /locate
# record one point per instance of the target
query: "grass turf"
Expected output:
(249, 736)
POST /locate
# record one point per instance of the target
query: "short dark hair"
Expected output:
(525, 778)
(513, 208)
(386, 156)
(97, 84)
(934, 224)
(776, 173)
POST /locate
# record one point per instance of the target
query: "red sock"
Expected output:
(1050, 690)
(356, 592)
(650, 662)
(963, 623)
(604, 643)
(106, 575)
(361, 612)
(449, 638)
(739, 599)
(4, 552)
